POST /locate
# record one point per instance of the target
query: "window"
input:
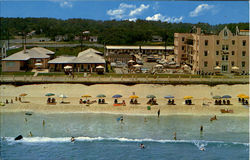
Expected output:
(225, 47)
(243, 53)
(217, 53)
(205, 53)
(225, 33)
(183, 38)
(10, 64)
(217, 63)
(233, 42)
(232, 53)
(244, 43)
(243, 64)
(224, 57)
(217, 42)
(182, 48)
(205, 64)
(206, 42)
(232, 63)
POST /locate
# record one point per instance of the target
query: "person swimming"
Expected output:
(72, 139)
(175, 136)
(142, 146)
(202, 148)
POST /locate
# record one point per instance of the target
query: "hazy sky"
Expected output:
(212, 12)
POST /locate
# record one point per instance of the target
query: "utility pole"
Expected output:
(166, 37)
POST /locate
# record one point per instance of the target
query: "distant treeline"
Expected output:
(108, 32)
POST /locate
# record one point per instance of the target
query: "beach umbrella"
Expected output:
(117, 96)
(63, 96)
(151, 96)
(188, 97)
(131, 61)
(133, 97)
(86, 96)
(101, 96)
(23, 94)
(226, 96)
(169, 97)
(245, 97)
(67, 67)
(241, 95)
(217, 97)
(99, 67)
(49, 94)
(137, 66)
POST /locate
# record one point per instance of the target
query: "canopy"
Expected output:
(49, 94)
(117, 96)
(188, 97)
(133, 97)
(101, 95)
(151, 96)
(63, 96)
(67, 67)
(86, 96)
(241, 95)
(169, 97)
(131, 61)
(226, 96)
(23, 94)
(217, 97)
(217, 67)
(99, 67)
(38, 64)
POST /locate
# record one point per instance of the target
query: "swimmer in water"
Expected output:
(175, 136)
(202, 149)
(30, 134)
(43, 122)
(142, 146)
(72, 139)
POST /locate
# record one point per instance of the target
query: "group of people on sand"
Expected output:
(101, 101)
(51, 100)
(222, 102)
(133, 101)
(86, 101)
(188, 102)
(243, 101)
(152, 101)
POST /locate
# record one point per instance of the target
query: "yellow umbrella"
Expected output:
(133, 97)
(245, 97)
(86, 96)
(241, 95)
(23, 94)
(188, 97)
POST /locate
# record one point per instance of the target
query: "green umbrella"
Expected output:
(151, 96)
(49, 94)
(100, 96)
(216, 97)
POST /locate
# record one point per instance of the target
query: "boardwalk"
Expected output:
(120, 80)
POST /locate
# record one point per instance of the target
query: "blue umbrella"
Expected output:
(117, 96)
(226, 96)
(169, 97)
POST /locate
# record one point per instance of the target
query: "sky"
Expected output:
(212, 12)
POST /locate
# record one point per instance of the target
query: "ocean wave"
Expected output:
(198, 143)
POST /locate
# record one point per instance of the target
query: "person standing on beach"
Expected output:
(43, 123)
(201, 129)
(175, 136)
(30, 134)
(159, 112)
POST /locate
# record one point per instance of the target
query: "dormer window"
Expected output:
(225, 33)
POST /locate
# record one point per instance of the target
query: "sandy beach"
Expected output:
(37, 99)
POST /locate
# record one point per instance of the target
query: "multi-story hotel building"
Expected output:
(209, 53)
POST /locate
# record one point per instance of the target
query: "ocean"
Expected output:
(102, 136)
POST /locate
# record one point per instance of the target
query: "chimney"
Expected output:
(198, 31)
